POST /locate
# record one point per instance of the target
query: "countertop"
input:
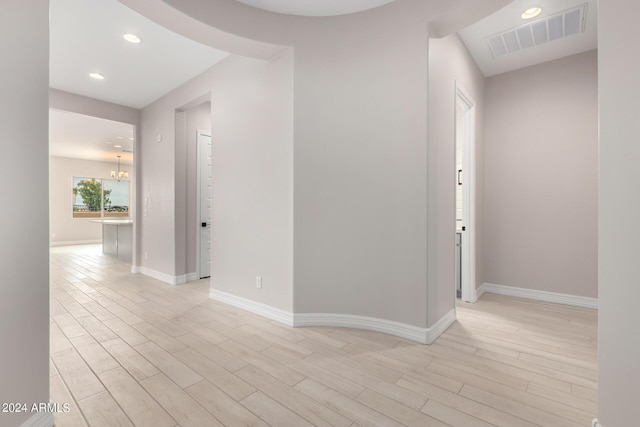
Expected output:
(114, 221)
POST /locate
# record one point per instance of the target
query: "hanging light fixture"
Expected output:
(119, 174)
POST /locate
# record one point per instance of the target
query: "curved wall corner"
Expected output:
(359, 145)
(297, 320)
(173, 19)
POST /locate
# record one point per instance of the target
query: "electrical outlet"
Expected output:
(146, 255)
(259, 282)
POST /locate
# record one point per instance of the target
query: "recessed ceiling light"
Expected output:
(132, 38)
(118, 137)
(107, 142)
(96, 76)
(532, 12)
(118, 146)
(131, 139)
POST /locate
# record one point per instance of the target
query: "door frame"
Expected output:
(199, 132)
(468, 258)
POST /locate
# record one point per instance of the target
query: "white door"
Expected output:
(465, 135)
(203, 142)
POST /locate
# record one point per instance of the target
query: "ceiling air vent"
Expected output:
(548, 29)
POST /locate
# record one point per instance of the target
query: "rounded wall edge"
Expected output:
(181, 21)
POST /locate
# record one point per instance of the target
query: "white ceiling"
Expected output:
(315, 7)
(86, 37)
(475, 36)
(85, 137)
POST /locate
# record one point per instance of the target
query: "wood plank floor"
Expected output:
(127, 350)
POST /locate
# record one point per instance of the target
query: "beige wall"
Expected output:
(360, 168)
(24, 219)
(359, 117)
(450, 62)
(251, 121)
(541, 194)
(64, 229)
(619, 243)
(71, 102)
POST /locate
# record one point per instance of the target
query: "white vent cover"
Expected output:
(554, 27)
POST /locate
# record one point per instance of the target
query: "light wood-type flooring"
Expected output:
(129, 350)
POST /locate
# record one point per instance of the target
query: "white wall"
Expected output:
(619, 207)
(251, 104)
(24, 246)
(69, 230)
(450, 62)
(541, 154)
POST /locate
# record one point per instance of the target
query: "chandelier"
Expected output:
(119, 174)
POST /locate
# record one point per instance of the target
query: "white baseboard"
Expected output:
(75, 242)
(403, 330)
(163, 277)
(595, 423)
(192, 276)
(479, 291)
(39, 419)
(555, 297)
(440, 326)
(255, 307)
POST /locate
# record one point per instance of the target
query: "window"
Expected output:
(116, 198)
(100, 198)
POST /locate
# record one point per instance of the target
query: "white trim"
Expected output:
(39, 419)
(199, 142)
(595, 423)
(480, 291)
(468, 258)
(255, 307)
(434, 332)
(403, 330)
(410, 332)
(192, 276)
(163, 277)
(75, 242)
(554, 297)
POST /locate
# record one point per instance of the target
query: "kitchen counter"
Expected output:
(117, 237)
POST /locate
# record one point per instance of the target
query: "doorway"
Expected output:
(204, 203)
(465, 188)
(92, 158)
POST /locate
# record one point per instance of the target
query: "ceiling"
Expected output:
(85, 137)
(86, 36)
(476, 36)
(315, 7)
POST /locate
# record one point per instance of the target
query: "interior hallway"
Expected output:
(129, 350)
